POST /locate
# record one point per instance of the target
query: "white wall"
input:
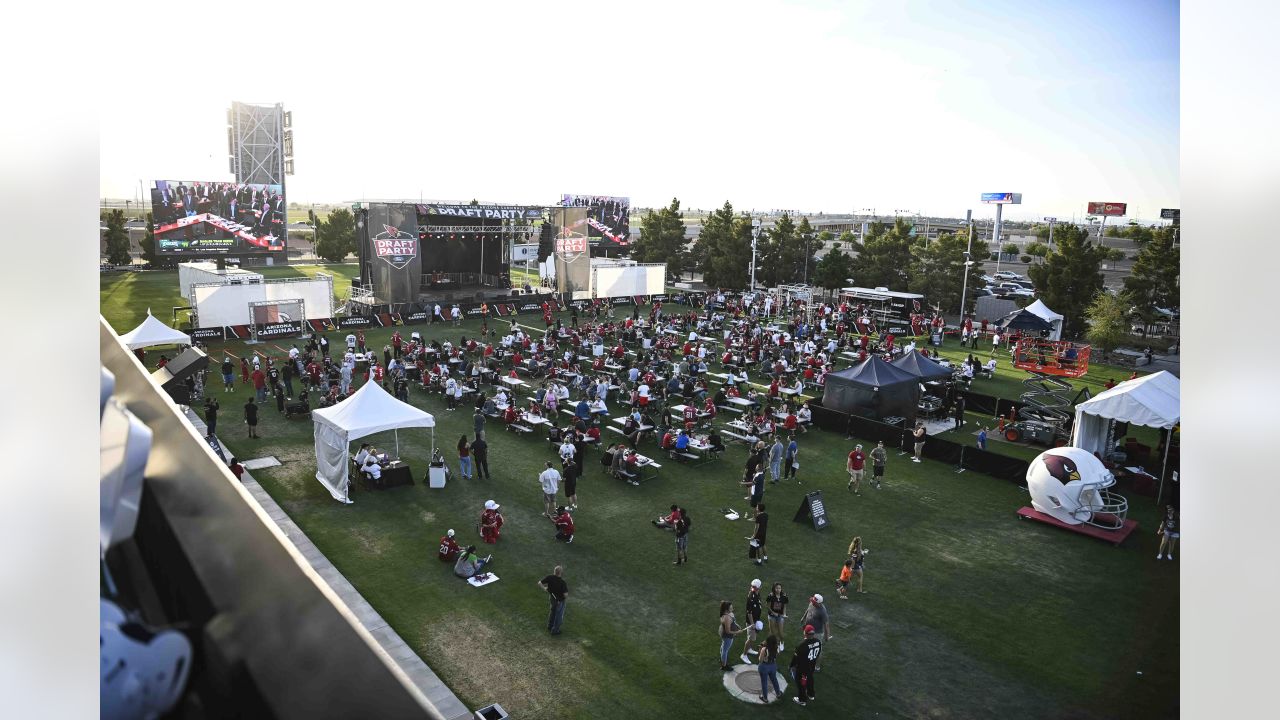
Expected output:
(630, 280)
(229, 304)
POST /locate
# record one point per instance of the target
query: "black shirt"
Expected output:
(777, 603)
(480, 449)
(753, 463)
(227, 368)
(753, 605)
(556, 587)
(251, 412)
(762, 525)
(806, 656)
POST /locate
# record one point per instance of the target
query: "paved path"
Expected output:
(389, 642)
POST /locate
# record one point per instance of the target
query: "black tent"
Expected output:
(1024, 320)
(872, 389)
(921, 367)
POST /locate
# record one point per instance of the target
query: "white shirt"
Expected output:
(567, 450)
(361, 457)
(351, 341)
(436, 309)
(374, 470)
(293, 353)
(550, 479)
(456, 313)
(644, 390)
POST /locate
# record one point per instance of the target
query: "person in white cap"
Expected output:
(449, 548)
(490, 522)
(754, 609)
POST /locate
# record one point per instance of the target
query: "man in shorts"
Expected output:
(878, 456)
(550, 479)
(919, 435)
(855, 466)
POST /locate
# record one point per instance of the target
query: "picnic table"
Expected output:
(514, 382)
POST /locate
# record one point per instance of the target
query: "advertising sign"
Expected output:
(396, 247)
(572, 250)
(1110, 209)
(522, 253)
(1006, 198)
(1170, 214)
(483, 212)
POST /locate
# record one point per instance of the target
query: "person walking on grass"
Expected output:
(775, 460)
(856, 464)
(728, 631)
(228, 374)
(816, 617)
(558, 592)
(211, 415)
(804, 666)
(464, 458)
(251, 417)
(854, 564)
(758, 537)
(480, 454)
(776, 604)
(681, 524)
(754, 607)
(878, 457)
(842, 582)
(768, 667)
(1168, 532)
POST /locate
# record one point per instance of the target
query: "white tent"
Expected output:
(1151, 401)
(153, 332)
(1039, 309)
(369, 410)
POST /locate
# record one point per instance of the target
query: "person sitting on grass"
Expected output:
(564, 524)
(469, 564)
(449, 549)
(669, 521)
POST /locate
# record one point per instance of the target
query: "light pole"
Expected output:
(968, 263)
(1051, 221)
(862, 234)
(755, 236)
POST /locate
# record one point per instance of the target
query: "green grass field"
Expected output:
(970, 612)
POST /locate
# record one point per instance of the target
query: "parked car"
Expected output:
(1007, 275)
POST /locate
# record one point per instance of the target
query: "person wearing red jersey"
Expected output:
(491, 522)
(856, 464)
(448, 548)
(564, 524)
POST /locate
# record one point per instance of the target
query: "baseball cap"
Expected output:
(808, 629)
(759, 625)
(756, 583)
(450, 532)
(491, 505)
(816, 598)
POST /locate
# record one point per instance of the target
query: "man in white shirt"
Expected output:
(372, 468)
(293, 352)
(456, 314)
(435, 314)
(351, 343)
(550, 479)
(643, 393)
(362, 455)
(450, 386)
(567, 450)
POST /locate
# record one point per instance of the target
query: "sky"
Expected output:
(915, 107)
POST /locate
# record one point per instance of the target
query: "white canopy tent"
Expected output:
(1151, 401)
(369, 410)
(153, 332)
(1039, 309)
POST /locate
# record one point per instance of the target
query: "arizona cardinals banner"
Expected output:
(573, 254)
(209, 333)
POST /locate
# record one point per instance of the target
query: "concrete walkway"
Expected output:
(389, 642)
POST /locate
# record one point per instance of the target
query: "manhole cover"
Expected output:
(743, 683)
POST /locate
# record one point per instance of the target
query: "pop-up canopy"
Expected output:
(153, 332)
(921, 366)
(1055, 319)
(369, 410)
(1151, 400)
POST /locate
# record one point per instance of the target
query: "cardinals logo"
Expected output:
(1061, 468)
(397, 247)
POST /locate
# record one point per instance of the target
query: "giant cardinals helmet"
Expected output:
(1070, 484)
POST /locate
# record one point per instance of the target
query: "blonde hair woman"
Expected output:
(856, 554)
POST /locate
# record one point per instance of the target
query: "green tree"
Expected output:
(117, 238)
(336, 235)
(938, 270)
(1107, 322)
(148, 242)
(885, 259)
(779, 254)
(833, 271)
(1153, 281)
(1070, 276)
(1037, 249)
(810, 243)
(1010, 249)
(728, 249)
(662, 239)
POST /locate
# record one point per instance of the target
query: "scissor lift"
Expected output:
(1046, 410)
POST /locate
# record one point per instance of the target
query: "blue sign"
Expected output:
(997, 197)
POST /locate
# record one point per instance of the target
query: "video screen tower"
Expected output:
(260, 144)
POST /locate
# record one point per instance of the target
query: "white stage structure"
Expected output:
(369, 410)
(622, 278)
(208, 273)
(1152, 400)
(1042, 311)
(218, 304)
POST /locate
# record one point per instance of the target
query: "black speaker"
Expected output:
(175, 372)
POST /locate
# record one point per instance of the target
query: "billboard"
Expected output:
(1111, 209)
(1170, 214)
(1005, 198)
(608, 218)
(572, 250)
(201, 218)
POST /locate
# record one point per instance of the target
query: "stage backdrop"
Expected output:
(392, 255)
(572, 252)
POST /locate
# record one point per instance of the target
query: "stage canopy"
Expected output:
(872, 389)
(1024, 320)
(1043, 312)
(153, 332)
(921, 366)
(1151, 400)
(369, 410)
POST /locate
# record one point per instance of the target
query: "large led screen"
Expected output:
(608, 218)
(198, 218)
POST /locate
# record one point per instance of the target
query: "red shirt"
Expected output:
(259, 380)
(857, 459)
(690, 412)
(448, 549)
(564, 523)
